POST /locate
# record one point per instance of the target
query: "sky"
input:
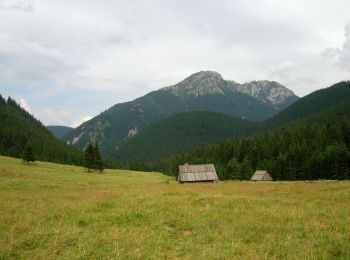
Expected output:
(66, 61)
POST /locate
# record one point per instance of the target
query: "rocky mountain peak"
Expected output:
(199, 84)
(205, 77)
(267, 91)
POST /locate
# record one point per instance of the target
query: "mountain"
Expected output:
(309, 140)
(18, 126)
(269, 92)
(59, 131)
(202, 91)
(182, 132)
(178, 133)
(314, 103)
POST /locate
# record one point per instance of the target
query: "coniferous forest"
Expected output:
(18, 127)
(311, 144)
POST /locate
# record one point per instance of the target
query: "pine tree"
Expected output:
(89, 157)
(246, 169)
(97, 165)
(234, 169)
(28, 154)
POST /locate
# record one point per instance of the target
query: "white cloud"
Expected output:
(23, 103)
(341, 56)
(51, 116)
(29, 62)
(81, 121)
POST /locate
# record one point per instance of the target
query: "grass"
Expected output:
(50, 211)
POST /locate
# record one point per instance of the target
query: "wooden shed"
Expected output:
(197, 173)
(261, 176)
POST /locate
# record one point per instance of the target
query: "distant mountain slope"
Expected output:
(59, 131)
(202, 91)
(182, 132)
(316, 108)
(313, 143)
(18, 126)
(313, 103)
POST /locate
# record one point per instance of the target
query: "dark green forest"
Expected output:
(312, 143)
(297, 153)
(181, 132)
(18, 127)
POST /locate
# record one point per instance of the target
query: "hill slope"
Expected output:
(312, 141)
(162, 139)
(181, 132)
(18, 126)
(202, 91)
(59, 131)
(318, 147)
(313, 103)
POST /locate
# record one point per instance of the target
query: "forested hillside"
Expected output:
(185, 131)
(18, 127)
(309, 140)
(182, 132)
(311, 104)
(318, 148)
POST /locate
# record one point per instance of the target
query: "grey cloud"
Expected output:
(130, 47)
(17, 5)
(25, 61)
(117, 39)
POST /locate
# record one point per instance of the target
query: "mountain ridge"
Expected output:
(211, 82)
(58, 130)
(202, 91)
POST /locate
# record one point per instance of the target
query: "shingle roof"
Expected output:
(261, 176)
(193, 173)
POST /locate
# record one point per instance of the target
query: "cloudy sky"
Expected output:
(66, 61)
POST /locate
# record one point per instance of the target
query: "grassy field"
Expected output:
(50, 211)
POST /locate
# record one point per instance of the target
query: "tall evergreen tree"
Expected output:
(97, 165)
(89, 155)
(234, 169)
(28, 153)
(246, 169)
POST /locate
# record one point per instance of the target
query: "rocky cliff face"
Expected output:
(268, 92)
(210, 82)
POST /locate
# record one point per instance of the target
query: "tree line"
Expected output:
(302, 152)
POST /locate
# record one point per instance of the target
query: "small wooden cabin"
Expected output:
(261, 176)
(197, 173)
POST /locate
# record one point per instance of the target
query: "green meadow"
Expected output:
(51, 211)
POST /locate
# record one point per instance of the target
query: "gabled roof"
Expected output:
(261, 176)
(192, 173)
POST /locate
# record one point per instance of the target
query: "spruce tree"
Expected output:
(89, 157)
(98, 165)
(28, 154)
(246, 169)
(234, 169)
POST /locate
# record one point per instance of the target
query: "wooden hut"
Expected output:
(197, 173)
(261, 176)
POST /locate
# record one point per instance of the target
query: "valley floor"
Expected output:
(50, 211)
